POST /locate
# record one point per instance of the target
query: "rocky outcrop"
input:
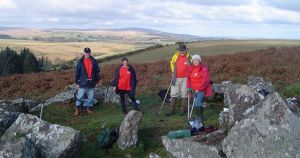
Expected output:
(30, 136)
(6, 120)
(260, 85)
(238, 98)
(220, 88)
(190, 148)
(224, 118)
(294, 104)
(18, 105)
(270, 130)
(128, 133)
(101, 94)
(153, 155)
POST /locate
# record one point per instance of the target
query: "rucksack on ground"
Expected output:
(196, 126)
(107, 138)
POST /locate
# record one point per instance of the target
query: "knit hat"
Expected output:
(196, 57)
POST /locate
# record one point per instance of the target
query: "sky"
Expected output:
(208, 18)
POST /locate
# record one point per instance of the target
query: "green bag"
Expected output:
(179, 134)
(107, 138)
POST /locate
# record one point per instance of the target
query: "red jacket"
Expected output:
(199, 79)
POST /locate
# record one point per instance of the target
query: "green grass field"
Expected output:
(150, 130)
(209, 48)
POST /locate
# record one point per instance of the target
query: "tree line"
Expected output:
(12, 62)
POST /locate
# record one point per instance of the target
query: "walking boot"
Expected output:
(199, 113)
(171, 107)
(77, 111)
(184, 105)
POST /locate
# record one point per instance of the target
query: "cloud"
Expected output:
(205, 17)
(7, 4)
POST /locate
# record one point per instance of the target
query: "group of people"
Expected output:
(190, 79)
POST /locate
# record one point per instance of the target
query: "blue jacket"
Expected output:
(133, 79)
(81, 74)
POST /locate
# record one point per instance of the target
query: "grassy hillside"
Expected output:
(209, 48)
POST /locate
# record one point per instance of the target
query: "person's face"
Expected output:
(87, 55)
(182, 52)
(125, 62)
(196, 62)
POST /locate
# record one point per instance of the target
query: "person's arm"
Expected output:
(114, 81)
(97, 73)
(172, 63)
(77, 73)
(205, 81)
(134, 75)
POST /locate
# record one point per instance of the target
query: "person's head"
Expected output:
(125, 61)
(196, 59)
(182, 49)
(87, 52)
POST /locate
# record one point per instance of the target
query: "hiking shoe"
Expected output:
(169, 114)
(77, 112)
(89, 111)
(182, 114)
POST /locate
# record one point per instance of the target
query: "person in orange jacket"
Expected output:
(199, 84)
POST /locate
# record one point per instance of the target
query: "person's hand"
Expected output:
(196, 91)
(114, 89)
(98, 84)
(190, 94)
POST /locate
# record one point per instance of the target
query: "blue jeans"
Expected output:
(87, 102)
(199, 99)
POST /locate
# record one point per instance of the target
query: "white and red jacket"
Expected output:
(199, 79)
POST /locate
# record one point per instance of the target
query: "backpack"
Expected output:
(107, 138)
(196, 126)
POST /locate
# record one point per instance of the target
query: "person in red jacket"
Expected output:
(125, 83)
(199, 84)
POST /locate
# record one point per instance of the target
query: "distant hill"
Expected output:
(173, 36)
(128, 35)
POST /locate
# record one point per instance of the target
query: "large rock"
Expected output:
(224, 118)
(238, 98)
(128, 134)
(30, 136)
(260, 85)
(189, 148)
(6, 120)
(18, 105)
(270, 130)
(220, 88)
(294, 104)
(101, 94)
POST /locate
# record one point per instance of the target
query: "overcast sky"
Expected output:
(214, 18)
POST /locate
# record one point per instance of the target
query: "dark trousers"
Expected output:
(123, 101)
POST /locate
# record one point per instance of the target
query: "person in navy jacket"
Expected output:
(86, 78)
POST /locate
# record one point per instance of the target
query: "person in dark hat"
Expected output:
(180, 67)
(86, 78)
(125, 83)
